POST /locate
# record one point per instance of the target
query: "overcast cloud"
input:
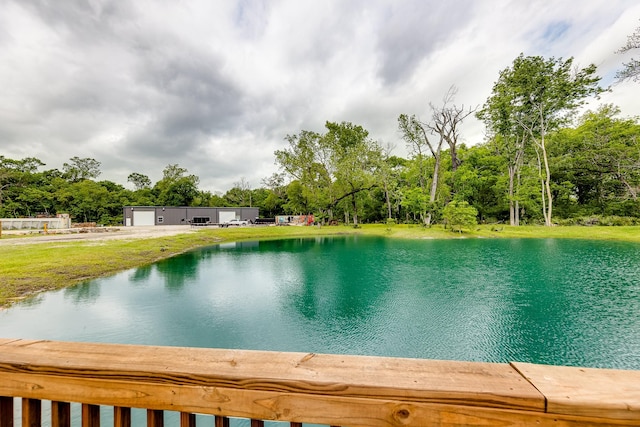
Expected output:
(215, 86)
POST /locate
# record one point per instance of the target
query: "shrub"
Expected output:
(459, 215)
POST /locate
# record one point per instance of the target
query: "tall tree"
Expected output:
(544, 92)
(139, 181)
(446, 121)
(389, 176)
(416, 134)
(331, 167)
(308, 162)
(508, 138)
(601, 160)
(15, 174)
(176, 188)
(356, 160)
(631, 69)
(81, 168)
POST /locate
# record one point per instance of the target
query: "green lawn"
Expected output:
(27, 269)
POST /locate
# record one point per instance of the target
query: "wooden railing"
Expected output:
(332, 390)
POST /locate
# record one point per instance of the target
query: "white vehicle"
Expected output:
(237, 222)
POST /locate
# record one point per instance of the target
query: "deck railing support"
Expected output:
(60, 414)
(121, 416)
(6, 411)
(332, 390)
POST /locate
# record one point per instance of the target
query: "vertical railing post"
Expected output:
(221, 421)
(31, 412)
(187, 419)
(90, 415)
(121, 416)
(6, 411)
(155, 418)
(257, 423)
(60, 414)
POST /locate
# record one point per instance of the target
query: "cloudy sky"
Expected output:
(215, 86)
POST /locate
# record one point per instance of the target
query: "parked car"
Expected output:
(237, 222)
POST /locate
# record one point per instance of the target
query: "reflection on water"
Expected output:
(82, 293)
(542, 301)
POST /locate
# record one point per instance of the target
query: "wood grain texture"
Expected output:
(586, 391)
(31, 412)
(155, 418)
(187, 419)
(121, 416)
(6, 411)
(60, 414)
(296, 387)
(469, 383)
(90, 415)
(327, 410)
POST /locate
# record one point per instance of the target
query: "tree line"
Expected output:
(542, 162)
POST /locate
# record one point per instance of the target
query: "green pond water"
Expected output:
(565, 302)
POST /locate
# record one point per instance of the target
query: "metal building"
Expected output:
(172, 215)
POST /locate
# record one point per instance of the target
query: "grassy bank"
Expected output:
(29, 268)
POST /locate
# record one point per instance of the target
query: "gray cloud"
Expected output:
(216, 86)
(410, 31)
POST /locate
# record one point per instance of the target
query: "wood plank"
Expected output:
(121, 416)
(60, 414)
(586, 391)
(221, 421)
(257, 423)
(90, 415)
(470, 383)
(297, 387)
(6, 411)
(31, 412)
(277, 406)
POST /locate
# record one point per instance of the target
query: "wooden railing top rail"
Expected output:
(318, 388)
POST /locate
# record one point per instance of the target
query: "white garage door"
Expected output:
(144, 218)
(226, 216)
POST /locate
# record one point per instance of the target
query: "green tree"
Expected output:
(356, 159)
(416, 135)
(480, 181)
(85, 201)
(297, 201)
(508, 138)
(176, 188)
(599, 161)
(81, 168)
(273, 203)
(15, 176)
(329, 168)
(541, 95)
(459, 215)
(181, 192)
(389, 171)
(308, 162)
(240, 194)
(139, 181)
(631, 69)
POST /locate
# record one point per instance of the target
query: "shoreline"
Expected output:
(35, 264)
